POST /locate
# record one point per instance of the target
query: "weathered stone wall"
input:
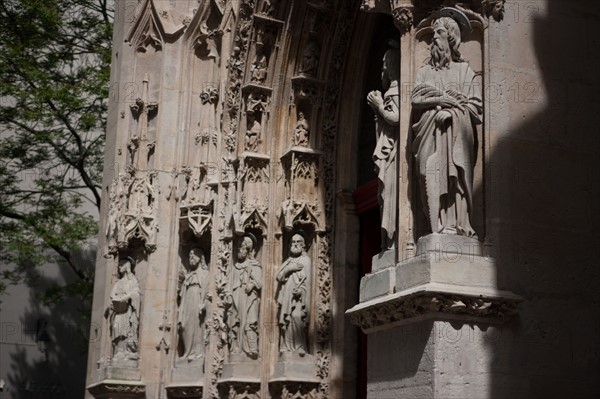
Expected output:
(237, 122)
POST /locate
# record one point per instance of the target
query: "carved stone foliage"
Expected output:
(218, 326)
(115, 389)
(432, 303)
(236, 70)
(239, 390)
(192, 392)
(295, 390)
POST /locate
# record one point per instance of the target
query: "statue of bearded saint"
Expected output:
(387, 117)
(293, 298)
(446, 107)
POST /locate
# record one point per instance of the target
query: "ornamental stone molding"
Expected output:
(399, 309)
(117, 389)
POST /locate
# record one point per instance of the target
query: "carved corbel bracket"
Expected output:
(192, 391)
(233, 389)
(117, 389)
(394, 310)
(293, 389)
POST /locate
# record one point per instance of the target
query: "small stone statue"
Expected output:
(191, 314)
(301, 132)
(243, 313)
(310, 59)
(294, 298)
(124, 313)
(252, 133)
(258, 71)
(387, 117)
(446, 107)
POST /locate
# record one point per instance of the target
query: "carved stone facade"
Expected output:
(231, 163)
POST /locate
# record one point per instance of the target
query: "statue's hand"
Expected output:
(375, 100)
(449, 102)
(442, 116)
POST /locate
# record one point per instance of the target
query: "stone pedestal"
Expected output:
(117, 389)
(186, 379)
(293, 376)
(186, 371)
(120, 379)
(240, 375)
(427, 312)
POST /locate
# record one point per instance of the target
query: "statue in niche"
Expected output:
(252, 133)
(310, 59)
(244, 306)
(191, 314)
(387, 117)
(124, 313)
(301, 132)
(258, 70)
(446, 106)
(293, 298)
(269, 6)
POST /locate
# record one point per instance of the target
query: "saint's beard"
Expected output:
(440, 54)
(295, 251)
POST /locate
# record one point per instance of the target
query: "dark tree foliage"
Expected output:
(54, 66)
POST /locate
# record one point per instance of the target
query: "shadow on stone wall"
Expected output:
(55, 367)
(545, 208)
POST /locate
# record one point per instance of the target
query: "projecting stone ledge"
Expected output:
(113, 389)
(439, 285)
